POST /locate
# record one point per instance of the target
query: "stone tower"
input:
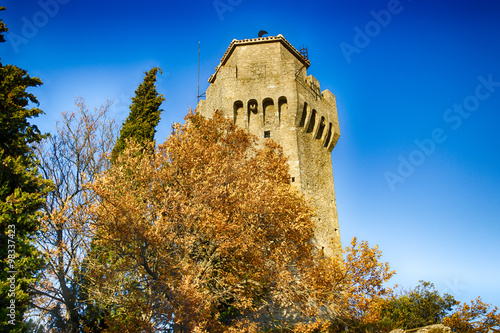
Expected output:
(262, 84)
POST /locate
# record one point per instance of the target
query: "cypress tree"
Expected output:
(144, 115)
(22, 193)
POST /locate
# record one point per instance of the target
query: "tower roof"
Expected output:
(270, 39)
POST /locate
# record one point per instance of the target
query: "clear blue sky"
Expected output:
(417, 166)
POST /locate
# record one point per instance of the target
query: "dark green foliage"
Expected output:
(22, 191)
(144, 114)
(419, 307)
(3, 28)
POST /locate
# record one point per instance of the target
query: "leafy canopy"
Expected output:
(76, 153)
(206, 232)
(22, 190)
(419, 307)
(363, 285)
(476, 317)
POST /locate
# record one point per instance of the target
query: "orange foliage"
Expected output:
(207, 232)
(476, 317)
(70, 158)
(364, 282)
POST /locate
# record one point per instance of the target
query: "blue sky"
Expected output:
(417, 82)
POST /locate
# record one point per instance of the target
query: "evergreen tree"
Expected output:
(22, 192)
(3, 28)
(144, 114)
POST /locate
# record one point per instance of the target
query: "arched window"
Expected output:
(253, 106)
(268, 112)
(282, 107)
(321, 128)
(312, 122)
(328, 136)
(238, 115)
(303, 116)
(253, 114)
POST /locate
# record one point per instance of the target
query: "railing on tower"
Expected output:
(304, 52)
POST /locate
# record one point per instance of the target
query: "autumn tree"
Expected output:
(476, 317)
(77, 152)
(144, 114)
(364, 284)
(22, 192)
(206, 233)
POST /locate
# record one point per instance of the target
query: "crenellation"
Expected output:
(314, 85)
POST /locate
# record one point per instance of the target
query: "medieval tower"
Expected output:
(262, 84)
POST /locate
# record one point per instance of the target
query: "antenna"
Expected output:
(198, 93)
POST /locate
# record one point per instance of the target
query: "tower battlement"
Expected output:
(263, 86)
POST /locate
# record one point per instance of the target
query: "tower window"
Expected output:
(312, 122)
(252, 106)
(304, 116)
(321, 128)
(293, 179)
(267, 134)
(328, 136)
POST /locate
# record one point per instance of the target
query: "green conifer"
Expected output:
(144, 115)
(22, 193)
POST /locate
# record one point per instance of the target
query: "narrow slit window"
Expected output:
(328, 136)
(312, 122)
(319, 135)
(304, 116)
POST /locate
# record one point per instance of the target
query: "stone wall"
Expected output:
(439, 328)
(262, 84)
